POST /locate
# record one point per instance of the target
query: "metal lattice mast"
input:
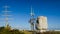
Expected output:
(6, 15)
(32, 19)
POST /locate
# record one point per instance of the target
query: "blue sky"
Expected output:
(21, 12)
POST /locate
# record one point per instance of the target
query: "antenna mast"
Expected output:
(31, 21)
(6, 15)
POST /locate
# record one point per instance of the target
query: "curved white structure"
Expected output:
(41, 23)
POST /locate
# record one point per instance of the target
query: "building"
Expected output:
(41, 24)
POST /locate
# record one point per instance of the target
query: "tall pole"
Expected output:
(6, 15)
(32, 20)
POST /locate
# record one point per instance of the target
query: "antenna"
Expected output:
(6, 15)
(31, 21)
(32, 12)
